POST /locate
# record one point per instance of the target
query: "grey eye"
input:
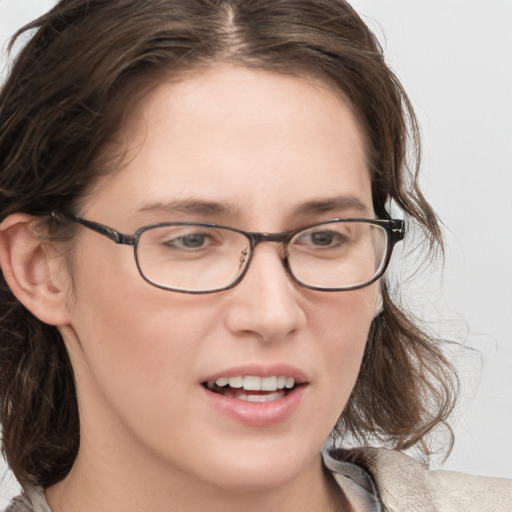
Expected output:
(323, 237)
(194, 241)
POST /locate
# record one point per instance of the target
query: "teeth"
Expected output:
(262, 398)
(254, 383)
(236, 382)
(269, 383)
(290, 382)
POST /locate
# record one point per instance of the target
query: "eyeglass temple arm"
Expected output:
(397, 229)
(397, 226)
(115, 236)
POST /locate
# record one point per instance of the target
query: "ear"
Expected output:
(32, 269)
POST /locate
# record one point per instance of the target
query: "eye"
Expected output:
(190, 241)
(323, 238)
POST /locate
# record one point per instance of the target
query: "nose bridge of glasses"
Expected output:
(258, 237)
(268, 237)
(280, 238)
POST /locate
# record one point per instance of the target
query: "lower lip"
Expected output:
(258, 414)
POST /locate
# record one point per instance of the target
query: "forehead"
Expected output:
(248, 138)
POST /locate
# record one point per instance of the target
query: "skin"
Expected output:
(264, 145)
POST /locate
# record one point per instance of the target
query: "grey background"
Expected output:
(454, 59)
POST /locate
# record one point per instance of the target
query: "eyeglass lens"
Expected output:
(204, 258)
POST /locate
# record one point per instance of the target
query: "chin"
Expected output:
(260, 466)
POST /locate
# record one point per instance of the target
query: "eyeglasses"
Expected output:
(190, 257)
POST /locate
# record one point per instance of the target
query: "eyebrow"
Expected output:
(205, 207)
(191, 206)
(348, 202)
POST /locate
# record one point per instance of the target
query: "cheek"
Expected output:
(135, 360)
(344, 319)
(132, 332)
(341, 328)
(129, 336)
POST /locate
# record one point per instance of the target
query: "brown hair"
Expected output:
(68, 93)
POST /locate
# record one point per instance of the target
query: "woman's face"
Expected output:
(258, 151)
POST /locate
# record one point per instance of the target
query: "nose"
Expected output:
(266, 303)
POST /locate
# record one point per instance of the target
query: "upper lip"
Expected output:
(260, 370)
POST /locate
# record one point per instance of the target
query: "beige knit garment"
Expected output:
(405, 485)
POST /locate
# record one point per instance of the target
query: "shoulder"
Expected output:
(405, 484)
(32, 500)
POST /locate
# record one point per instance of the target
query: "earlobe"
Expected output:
(29, 271)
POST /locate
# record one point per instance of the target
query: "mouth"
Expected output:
(252, 388)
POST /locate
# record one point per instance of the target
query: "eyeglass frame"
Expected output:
(395, 229)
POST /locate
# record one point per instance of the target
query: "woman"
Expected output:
(247, 152)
